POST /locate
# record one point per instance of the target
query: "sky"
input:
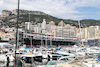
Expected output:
(65, 9)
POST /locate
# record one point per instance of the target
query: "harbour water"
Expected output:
(20, 64)
(11, 64)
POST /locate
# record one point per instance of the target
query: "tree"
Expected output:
(0, 38)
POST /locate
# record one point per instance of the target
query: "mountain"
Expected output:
(38, 16)
(90, 22)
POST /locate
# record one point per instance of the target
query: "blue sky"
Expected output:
(90, 12)
(66, 9)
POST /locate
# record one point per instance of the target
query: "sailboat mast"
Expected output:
(30, 31)
(17, 31)
(31, 40)
(46, 40)
(50, 35)
(80, 31)
(41, 40)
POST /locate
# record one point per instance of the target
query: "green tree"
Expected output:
(0, 38)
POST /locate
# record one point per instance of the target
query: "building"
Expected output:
(1, 32)
(44, 25)
(37, 28)
(14, 12)
(28, 25)
(50, 27)
(65, 30)
(97, 31)
(33, 28)
(61, 23)
(1, 22)
(13, 20)
(54, 32)
(7, 35)
(5, 13)
(89, 32)
(52, 23)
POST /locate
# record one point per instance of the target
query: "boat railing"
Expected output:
(66, 58)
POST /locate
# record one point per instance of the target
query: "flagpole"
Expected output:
(17, 31)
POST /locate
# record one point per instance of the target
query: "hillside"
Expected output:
(37, 17)
(90, 22)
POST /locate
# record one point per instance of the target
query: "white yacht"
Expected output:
(61, 62)
(27, 59)
(6, 52)
(8, 57)
(93, 51)
(91, 63)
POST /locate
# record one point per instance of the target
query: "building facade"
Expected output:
(5, 13)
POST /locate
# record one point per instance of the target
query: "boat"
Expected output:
(27, 59)
(91, 51)
(21, 50)
(8, 57)
(91, 62)
(6, 52)
(61, 62)
(63, 53)
(5, 45)
(41, 64)
(37, 56)
(2, 41)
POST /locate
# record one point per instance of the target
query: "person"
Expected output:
(8, 60)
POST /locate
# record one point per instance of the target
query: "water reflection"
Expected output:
(5, 64)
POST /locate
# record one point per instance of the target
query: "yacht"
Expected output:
(91, 63)
(61, 62)
(6, 52)
(6, 57)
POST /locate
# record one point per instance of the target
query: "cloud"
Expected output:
(57, 8)
(84, 3)
(66, 9)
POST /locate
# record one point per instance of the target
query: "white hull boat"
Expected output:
(91, 63)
